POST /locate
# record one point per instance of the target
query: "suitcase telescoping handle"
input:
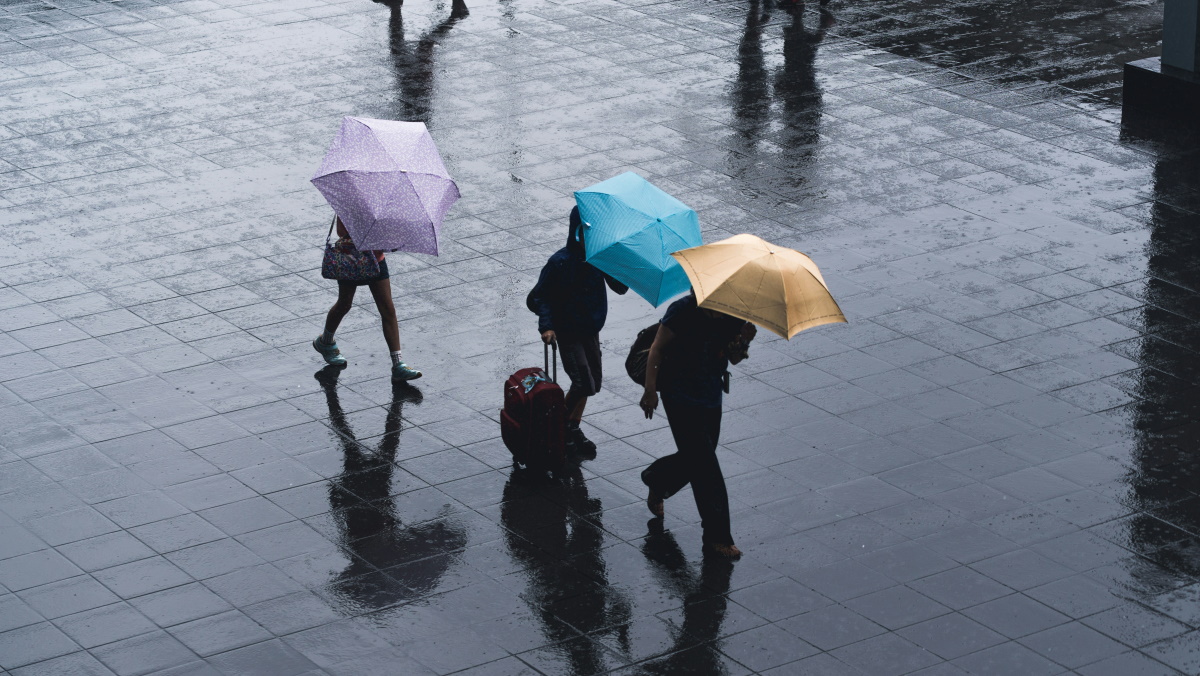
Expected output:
(546, 354)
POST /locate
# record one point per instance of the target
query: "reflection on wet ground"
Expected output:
(695, 650)
(556, 531)
(989, 470)
(414, 65)
(388, 562)
(1080, 47)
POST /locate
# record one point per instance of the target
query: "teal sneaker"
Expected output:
(402, 371)
(331, 353)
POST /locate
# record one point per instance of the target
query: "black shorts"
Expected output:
(581, 361)
(383, 274)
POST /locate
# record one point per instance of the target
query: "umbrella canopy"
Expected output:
(775, 287)
(387, 183)
(631, 228)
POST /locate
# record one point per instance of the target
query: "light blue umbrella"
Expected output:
(631, 228)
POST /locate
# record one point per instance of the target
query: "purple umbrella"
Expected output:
(386, 181)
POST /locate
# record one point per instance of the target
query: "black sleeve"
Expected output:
(539, 299)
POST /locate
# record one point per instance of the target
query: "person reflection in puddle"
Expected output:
(554, 530)
(696, 648)
(389, 562)
(414, 65)
(760, 157)
(796, 85)
(751, 97)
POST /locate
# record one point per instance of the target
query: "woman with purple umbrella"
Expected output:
(381, 291)
(390, 190)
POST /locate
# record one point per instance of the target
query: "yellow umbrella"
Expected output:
(775, 287)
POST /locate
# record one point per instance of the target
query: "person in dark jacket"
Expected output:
(572, 304)
(700, 344)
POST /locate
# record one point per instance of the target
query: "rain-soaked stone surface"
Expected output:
(991, 469)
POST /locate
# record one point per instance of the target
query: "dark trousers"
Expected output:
(696, 430)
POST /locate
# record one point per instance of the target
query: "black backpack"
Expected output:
(639, 352)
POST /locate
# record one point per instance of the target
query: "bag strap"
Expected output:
(330, 233)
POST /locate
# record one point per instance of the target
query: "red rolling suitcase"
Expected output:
(533, 420)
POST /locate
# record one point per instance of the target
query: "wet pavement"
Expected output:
(989, 470)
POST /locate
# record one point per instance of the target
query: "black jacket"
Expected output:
(569, 296)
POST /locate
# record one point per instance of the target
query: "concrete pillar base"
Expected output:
(1151, 87)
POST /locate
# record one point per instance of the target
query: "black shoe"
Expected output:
(580, 443)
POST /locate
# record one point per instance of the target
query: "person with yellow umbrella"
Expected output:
(736, 281)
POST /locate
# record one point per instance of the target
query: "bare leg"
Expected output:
(344, 302)
(382, 291)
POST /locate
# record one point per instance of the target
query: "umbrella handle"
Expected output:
(329, 234)
(546, 347)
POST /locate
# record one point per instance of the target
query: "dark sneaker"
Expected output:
(580, 443)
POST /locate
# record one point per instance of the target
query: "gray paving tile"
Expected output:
(1002, 413)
